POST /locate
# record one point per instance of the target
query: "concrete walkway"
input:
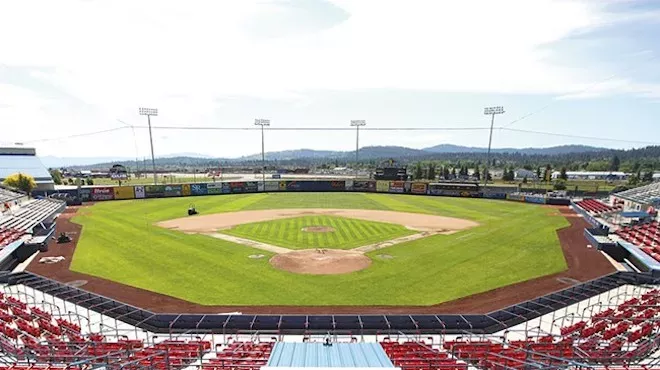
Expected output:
(251, 243)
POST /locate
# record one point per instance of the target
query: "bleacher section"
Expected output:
(646, 236)
(31, 214)
(618, 329)
(597, 207)
(641, 195)
(7, 195)
(8, 236)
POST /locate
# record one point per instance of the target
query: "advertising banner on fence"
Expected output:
(102, 194)
(418, 188)
(139, 192)
(382, 186)
(338, 185)
(272, 186)
(154, 191)
(495, 195)
(364, 185)
(534, 199)
(124, 192)
(293, 185)
(198, 189)
(237, 187)
(226, 188)
(348, 185)
(173, 190)
(283, 185)
(214, 188)
(252, 186)
(85, 194)
(516, 197)
(185, 190)
(397, 186)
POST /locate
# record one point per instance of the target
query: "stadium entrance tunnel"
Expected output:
(300, 324)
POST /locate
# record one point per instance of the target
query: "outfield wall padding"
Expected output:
(104, 193)
(124, 192)
(199, 189)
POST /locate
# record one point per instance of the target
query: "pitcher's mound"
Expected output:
(318, 229)
(320, 262)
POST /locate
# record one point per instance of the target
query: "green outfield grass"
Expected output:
(514, 242)
(348, 233)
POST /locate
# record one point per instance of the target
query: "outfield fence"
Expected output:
(104, 193)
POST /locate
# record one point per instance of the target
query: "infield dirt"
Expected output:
(218, 221)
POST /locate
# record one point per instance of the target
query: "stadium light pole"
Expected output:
(263, 123)
(151, 112)
(357, 123)
(491, 111)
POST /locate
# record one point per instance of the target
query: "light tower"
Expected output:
(357, 123)
(263, 123)
(151, 112)
(492, 111)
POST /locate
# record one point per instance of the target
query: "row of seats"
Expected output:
(646, 236)
(613, 334)
(31, 214)
(417, 355)
(7, 195)
(596, 206)
(241, 355)
(26, 330)
(8, 236)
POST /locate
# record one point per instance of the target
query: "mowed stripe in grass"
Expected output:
(514, 242)
(347, 233)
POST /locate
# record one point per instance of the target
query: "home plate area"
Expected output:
(319, 241)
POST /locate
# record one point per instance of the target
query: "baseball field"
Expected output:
(243, 249)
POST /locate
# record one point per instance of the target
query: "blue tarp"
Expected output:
(342, 355)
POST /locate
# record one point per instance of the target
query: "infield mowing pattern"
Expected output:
(514, 242)
(348, 233)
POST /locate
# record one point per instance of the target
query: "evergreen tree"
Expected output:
(431, 174)
(616, 162)
(563, 174)
(453, 173)
(476, 173)
(445, 173)
(648, 176)
(418, 172)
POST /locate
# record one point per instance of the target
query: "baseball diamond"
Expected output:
(212, 271)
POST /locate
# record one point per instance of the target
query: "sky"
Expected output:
(68, 68)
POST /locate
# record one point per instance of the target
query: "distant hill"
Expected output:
(310, 157)
(555, 150)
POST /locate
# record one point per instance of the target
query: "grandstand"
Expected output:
(618, 328)
(640, 198)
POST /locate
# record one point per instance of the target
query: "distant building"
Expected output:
(522, 173)
(592, 175)
(24, 160)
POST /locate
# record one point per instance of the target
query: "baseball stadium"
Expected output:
(328, 274)
(152, 217)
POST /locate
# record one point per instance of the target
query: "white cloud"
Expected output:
(115, 56)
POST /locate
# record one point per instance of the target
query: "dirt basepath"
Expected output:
(391, 242)
(583, 264)
(250, 243)
(217, 221)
